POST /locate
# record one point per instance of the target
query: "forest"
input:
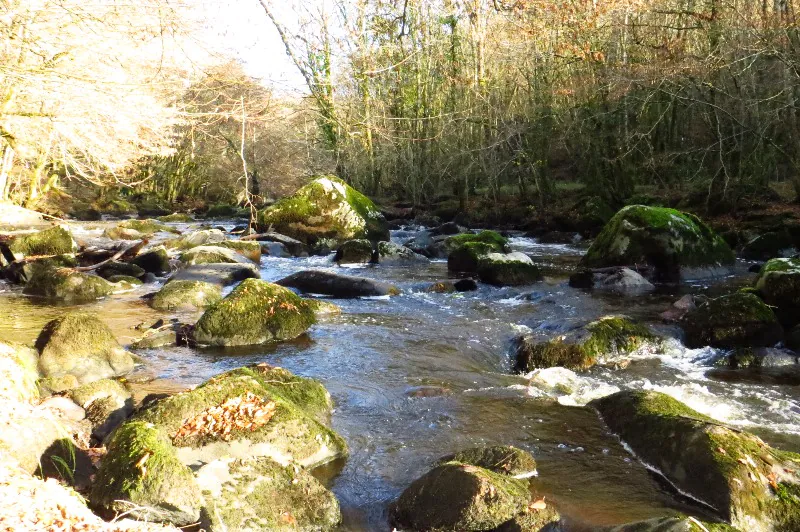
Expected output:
(414, 101)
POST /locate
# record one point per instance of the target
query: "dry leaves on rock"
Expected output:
(247, 412)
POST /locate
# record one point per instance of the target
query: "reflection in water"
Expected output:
(423, 375)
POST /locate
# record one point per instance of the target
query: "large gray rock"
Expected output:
(508, 269)
(335, 285)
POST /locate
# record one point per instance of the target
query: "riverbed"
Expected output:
(421, 375)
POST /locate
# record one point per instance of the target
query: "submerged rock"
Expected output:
(325, 208)
(674, 243)
(508, 269)
(357, 251)
(465, 251)
(255, 312)
(219, 274)
(582, 347)
(82, 347)
(186, 295)
(750, 485)
(778, 283)
(336, 285)
(67, 285)
(445, 287)
(260, 494)
(53, 241)
(739, 319)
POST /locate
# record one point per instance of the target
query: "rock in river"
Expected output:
(186, 295)
(778, 283)
(67, 285)
(54, 241)
(335, 285)
(223, 274)
(735, 320)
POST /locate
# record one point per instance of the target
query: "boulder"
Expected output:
(258, 493)
(336, 285)
(211, 255)
(247, 248)
(735, 320)
(164, 336)
(67, 285)
(428, 246)
(508, 269)
(147, 227)
(201, 237)
(176, 217)
(502, 459)
(355, 252)
(21, 271)
(294, 247)
(186, 295)
(219, 274)
(154, 260)
(749, 484)
(122, 233)
(116, 268)
(391, 254)
(142, 476)
(446, 287)
(582, 347)
(325, 208)
(465, 251)
(675, 244)
(19, 371)
(769, 246)
(778, 284)
(81, 346)
(254, 413)
(53, 241)
(758, 358)
(621, 280)
(255, 312)
(107, 404)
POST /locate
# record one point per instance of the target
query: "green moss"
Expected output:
(666, 238)
(255, 312)
(465, 250)
(176, 217)
(735, 320)
(779, 284)
(308, 394)
(786, 509)
(354, 252)
(496, 242)
(142, 474)
(66, 285)
(52, 241)
(187, 295)
(260, 494)
(502, 459)
(147, 227)
(292, 432)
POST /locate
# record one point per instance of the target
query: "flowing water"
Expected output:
(422, 375)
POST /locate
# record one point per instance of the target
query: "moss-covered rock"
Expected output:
(155, 260)
(124, 283)
(357, 251)
(456, 496)
(147, 227)
(778, 283)
(508, 269)
(67, 285)
(176, 217)
(503, 459)
(735, 320)
(211, 255)
(733, 472)
(186, 295)
(82, 346)
(292, 434)
(391, 254)
(21, 272)
(142, 476)
(769, 245)
(582, 347)
(255, 312)
(336, 285)
(19, 371)
(107, 403)
(465, 251)
(260, 494)
(110, 269)
(247, 248)
(674, 243)
(54, 241)
(122, 233)
(325, 208)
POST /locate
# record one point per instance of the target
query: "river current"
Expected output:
(422, 375)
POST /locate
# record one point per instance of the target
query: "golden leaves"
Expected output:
(247, 412)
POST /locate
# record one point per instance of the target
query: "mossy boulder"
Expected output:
(291, 435)
(255, 312)
(769, 245)
(503, 459)
(674, 243)
(735, 320)
(260, 494)
(147, 227)
(457, 496)
(391, 254)
(19, 371)
(465, 251)
(337, 285)
(186, 295)
(357, 251)
(142, 477)
(778, 283)
(211, 255)
(748, 483)
(22, 271)
(176, 217)
(82, 346)
(67, 285)
(582, 347)
(155, 260)
(115, 268)
(107, 403)
(325, 208)
(508, 269)
(53, 241)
